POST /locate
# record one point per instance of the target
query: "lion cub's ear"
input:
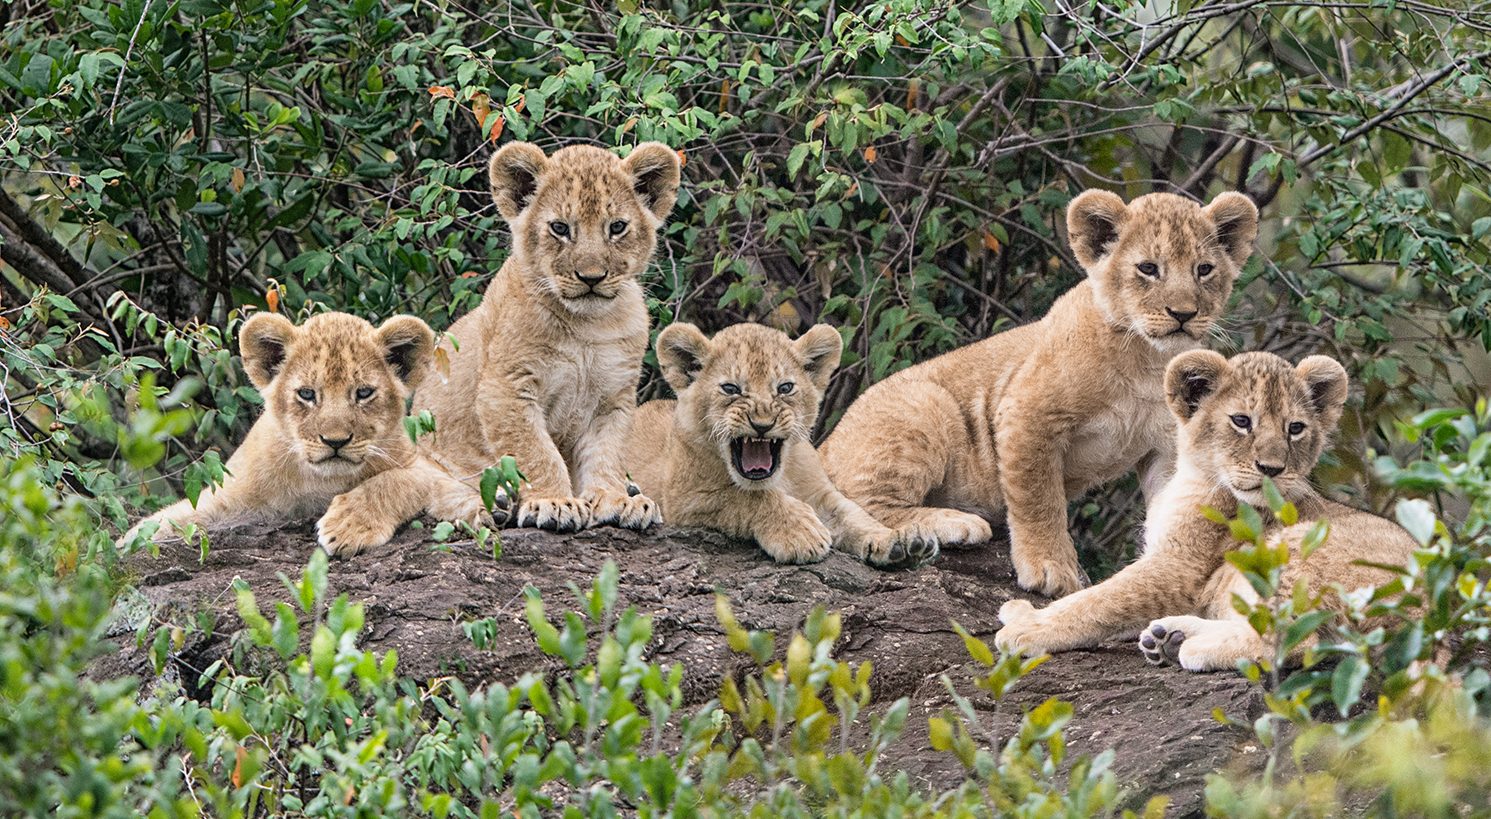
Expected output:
(820, 348)
(408, 346)
(513, 173)
(682, 350)
(1236, 218)
(655, 173)
(1327, 382)
(1092, 221)
(264, 341)
(1190, 377)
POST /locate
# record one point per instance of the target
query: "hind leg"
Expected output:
(892, 450)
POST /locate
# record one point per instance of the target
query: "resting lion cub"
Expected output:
(1028, 419)
(733, 453)
(331, 439)
(1240, 420)
(546, 367)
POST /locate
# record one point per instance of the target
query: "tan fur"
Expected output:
(795, 513)
(546, 367)
(1182, 586)
(1030, 418)
(285, 469)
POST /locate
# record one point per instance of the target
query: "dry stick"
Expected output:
(119, 83)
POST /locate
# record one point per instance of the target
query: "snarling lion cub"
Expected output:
(1241, 420)
(1030, 418)
(734, 452)
(331, 439)
(546, 367)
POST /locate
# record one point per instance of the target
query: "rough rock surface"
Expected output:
(1159, 721)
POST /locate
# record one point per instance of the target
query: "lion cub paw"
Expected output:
(906, 548)
(467, 509)
(554, 514)
(346, 529)
(629, 511)
(950, 528)
(1051, 576)
(1199, 644)
(799, 537)
(1022, 630)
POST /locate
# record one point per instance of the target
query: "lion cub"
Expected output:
(546, 367)
(1241, 420)
(1028, 419)
(734, 453)
(331, 439)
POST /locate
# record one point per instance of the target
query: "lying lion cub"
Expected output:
(545, 368)
(1240, 421)
(1035, 416)
(733, 453)
(331, 439)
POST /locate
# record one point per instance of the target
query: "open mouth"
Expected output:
(756, 459)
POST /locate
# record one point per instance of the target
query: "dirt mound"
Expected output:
(1159, 721)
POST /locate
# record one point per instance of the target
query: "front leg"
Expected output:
(1033, 480)
(854, 530)
(369, 514)
(515, 425)
(599, 472)
(1151, 587)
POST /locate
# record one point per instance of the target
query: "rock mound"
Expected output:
(417, 594)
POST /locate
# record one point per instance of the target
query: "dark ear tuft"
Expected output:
(682, 350)
(264, 342)
(513, 173)
(1236, 218)
(820, 347)
(655, 172)
(1092, 221)
(1327, 382)
(1189, 378)
(409, 346)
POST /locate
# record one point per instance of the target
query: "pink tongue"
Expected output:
(755, 456)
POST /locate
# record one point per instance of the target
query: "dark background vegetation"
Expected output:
(897, 168)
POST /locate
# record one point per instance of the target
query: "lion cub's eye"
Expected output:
(559, 229)
(306, 394)
(730, 389)
(1242, 422)
(1297, 428)
(1204, 270)
(1150, 269)
(786, 388)
(364, 393)
(618, 227)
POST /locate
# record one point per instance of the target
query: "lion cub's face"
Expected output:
(749, 390)
(1254, 416)
(336, 385)
(1162, 265)
(584, 222)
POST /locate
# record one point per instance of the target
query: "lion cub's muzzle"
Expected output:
(755, 459)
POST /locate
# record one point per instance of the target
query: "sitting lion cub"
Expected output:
(733, 453)
(1240, 421)
(1028, 419)
(545, 369)
(331, 439)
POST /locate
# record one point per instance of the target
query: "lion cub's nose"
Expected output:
(1179, 316)
(591, 280)
(1269, 469)
(760, 428)
(336, 443)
